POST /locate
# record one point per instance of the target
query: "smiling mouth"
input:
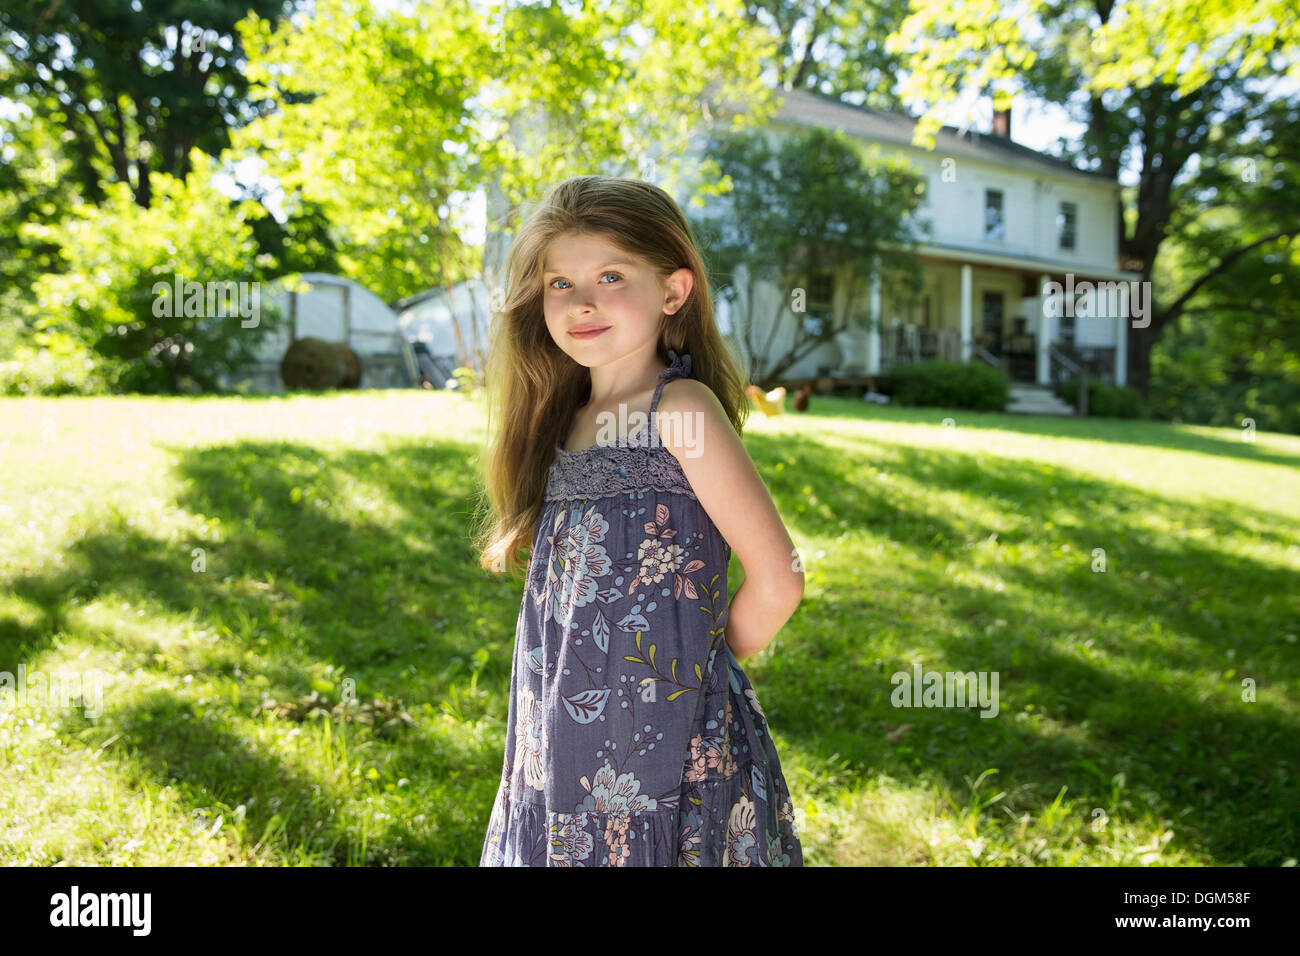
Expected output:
(588, 333)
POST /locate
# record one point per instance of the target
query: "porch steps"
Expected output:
(1029, 399)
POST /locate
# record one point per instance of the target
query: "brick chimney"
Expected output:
(1002, 123)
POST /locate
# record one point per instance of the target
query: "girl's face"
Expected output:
(590, 283)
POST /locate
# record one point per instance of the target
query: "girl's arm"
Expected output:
(695, 429)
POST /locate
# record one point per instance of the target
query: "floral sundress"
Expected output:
(634, 737)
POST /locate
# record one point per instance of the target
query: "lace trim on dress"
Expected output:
(599, 471)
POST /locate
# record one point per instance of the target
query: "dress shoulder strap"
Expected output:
(679, 367)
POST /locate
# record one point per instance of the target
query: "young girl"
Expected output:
(635, 739)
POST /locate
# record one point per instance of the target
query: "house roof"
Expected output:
(816, 109)
(406, 302)
(457, 292)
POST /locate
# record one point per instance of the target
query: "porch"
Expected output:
(1017, 356)
(1029, 323)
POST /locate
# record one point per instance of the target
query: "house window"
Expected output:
(993, 222)
(821, 291)
(1065, 224)
(821, 288)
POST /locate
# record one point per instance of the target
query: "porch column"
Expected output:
(1043, 371)
(873, 323)
(1121, 337)
(965, 313)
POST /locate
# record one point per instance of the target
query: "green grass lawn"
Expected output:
(220, 561)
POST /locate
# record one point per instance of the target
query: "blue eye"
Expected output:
(615, 274)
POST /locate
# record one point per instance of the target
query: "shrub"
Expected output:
(1104, 401)
(1204, 373)
(116, 255)
(1270, 401)
(47, 363)
(950, 385)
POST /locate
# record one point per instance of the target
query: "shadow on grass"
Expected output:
(399, 604)
(1121, 670)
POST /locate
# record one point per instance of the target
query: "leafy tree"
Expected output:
(835, 47)
(393, 119)
(372, 124)
(128, 82)
(816, 202)
(122, 262)
(1186, 42)
(34, 196)
(104, 92)
(304, 242)
(1234, 352)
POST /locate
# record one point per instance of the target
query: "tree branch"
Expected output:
(1226, 307)
(1177, 307)
(796, 81)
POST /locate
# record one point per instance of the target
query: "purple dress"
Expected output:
(634, 738)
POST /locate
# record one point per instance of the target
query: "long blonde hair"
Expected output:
(533, 387)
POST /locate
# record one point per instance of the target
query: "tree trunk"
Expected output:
(1140, 343)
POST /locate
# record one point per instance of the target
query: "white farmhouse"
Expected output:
(1006, 223)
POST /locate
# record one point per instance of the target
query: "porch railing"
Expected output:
(906, 343)
(1078, 369)
(980, 352)
(1099, 362)
(901, 344)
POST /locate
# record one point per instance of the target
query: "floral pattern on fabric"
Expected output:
(635, 737)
